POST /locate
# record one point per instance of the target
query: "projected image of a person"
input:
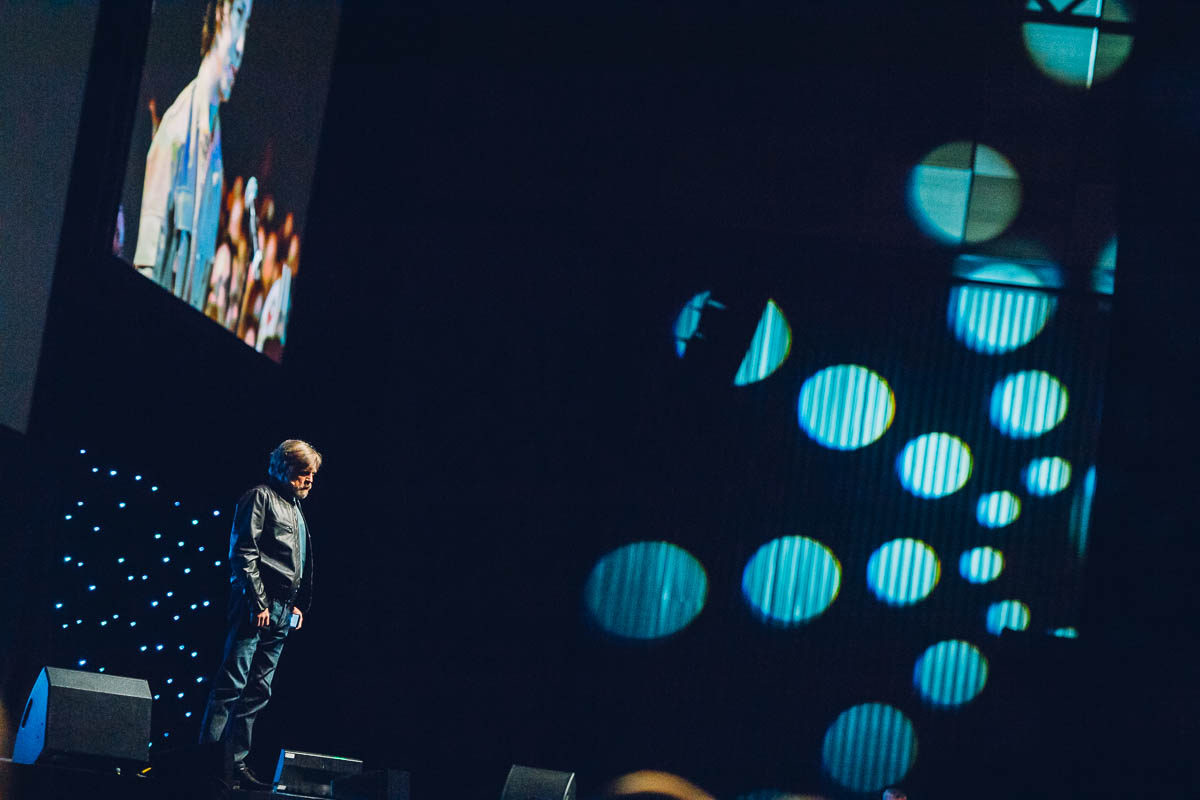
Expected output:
(181, 195)
(270, 554)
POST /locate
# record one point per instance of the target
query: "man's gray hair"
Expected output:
(292, 457)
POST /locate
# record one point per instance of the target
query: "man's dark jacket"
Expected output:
(264, 547)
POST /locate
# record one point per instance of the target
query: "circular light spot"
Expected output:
(981, 564)
(964, 192)
(792, 579)
(1010, 615)
(950, 673)
(997, 509)
(846, 407)
(687, 324)
(1027, 404)
(999, 319)
(1077, 54)
(903, 571)
(934, 465)
(769, 347)
(1065, 633)
(869, 746)
(646, 590)
(1046, 476)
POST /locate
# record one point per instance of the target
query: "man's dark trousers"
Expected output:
(242, 686)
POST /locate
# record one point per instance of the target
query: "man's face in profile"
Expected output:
(302, 481)
(233, 17)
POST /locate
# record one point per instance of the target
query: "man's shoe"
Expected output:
(243, 778)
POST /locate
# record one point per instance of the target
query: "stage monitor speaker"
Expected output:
(312, 774)
(378, 784)
(77, 717)
(530, 783)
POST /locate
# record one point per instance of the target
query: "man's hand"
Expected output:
(299, 617)
(263, 618)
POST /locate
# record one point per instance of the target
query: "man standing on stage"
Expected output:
(270, 552)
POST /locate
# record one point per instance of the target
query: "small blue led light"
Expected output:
(205, 604)
(79, 503)
(121, 560)
(193, 606)
(83, 662)
(66, 559)
(95, 469)
(187, 713)
(180, 695)
(166, 559)
(156, 697)
(170, 594)
(154, 488)
(216, 563)
(92, 587)
(1062, 633)
(66, 624)
(78, 622)
(79, 563)
(176, 618)
(68, 516)
(112, 473)
(195, 522)
(157, 535)
(129, 578)
(170, 681)
(200, 549)
(100, 670)
(95, 529)
(154, 604)
(103, 623)
(158, 647)
(133, 623)
(142, 648)
(177, 504)
(187, 570)
(58, 605)
(200, 679)
(82, 452)
(194, 654)
(121, 504)
(137, 477)
(145, 577)
(179, 544)
(216, 513)
(181, 647)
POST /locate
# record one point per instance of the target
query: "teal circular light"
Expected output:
(903, 571)
(646, 590)
(1077, 53)
(1046, 476)
(934, 465)
(997, 509)
(964, 192)
(981, 565)
(846, 407)
(792, 579)
(1027, 404)
(869, 747)
(950, 673)
(1012, 615)
(769, 347)
(999, 319)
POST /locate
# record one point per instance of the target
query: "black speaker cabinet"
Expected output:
(529, 783)
(82, 718)
(312, 774)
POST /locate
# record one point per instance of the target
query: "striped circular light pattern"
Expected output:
(1005, 615)
(950, 673)
(792, 579)
(646, 590)
(1046, 476)
(981, 565)
(999, 319)
(1028, 404)
(846, 407)
(769, 347)
(997, 509)
(1076, 53)
(903, 572)
(687, 324)
(934, 465)
(869, 747)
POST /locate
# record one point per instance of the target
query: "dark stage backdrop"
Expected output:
(703, 392)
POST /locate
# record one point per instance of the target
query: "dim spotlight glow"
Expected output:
(1065, 633)
(964, 192)
(934, 465)
(950, 673)
(791, 580)
(1007, 615)
(1080, 521)
(1027, 404)
(769, 347)
(1077, 55)
(646, 590)
(903, 572)
(846, 407)
(869, 746)
(997, 509)
(1046, 476)
(687, 324)
(981, 565)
